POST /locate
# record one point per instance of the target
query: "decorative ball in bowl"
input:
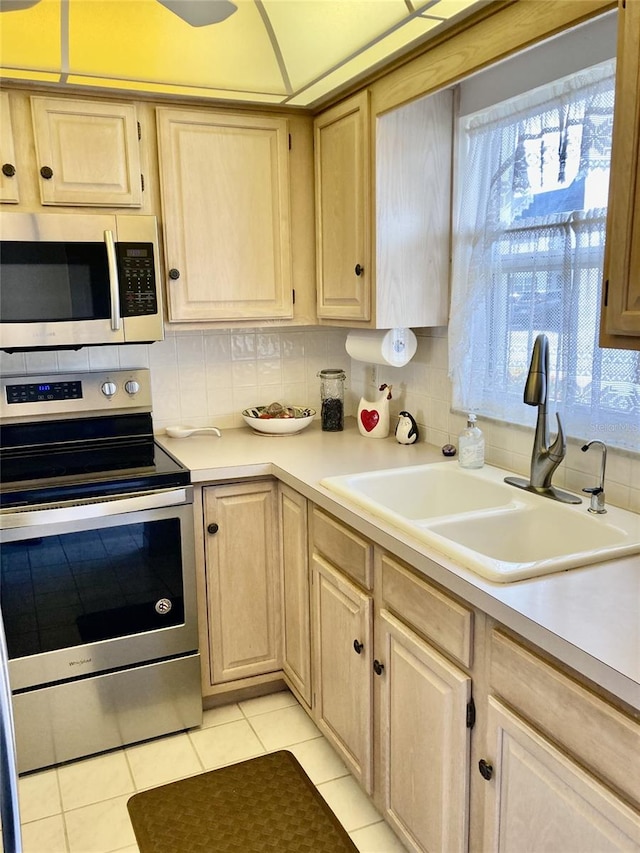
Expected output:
(276, 419)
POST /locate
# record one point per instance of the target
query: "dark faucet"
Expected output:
(545, 457)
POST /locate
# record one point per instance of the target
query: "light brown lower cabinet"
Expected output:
(243, 580)
(539, 799)
(342, 642)
(562, 764)
(419, 746)
(424, 740)
(539, 763)
(384, 661)
(294, 557)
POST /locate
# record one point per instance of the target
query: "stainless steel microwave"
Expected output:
(72, 280)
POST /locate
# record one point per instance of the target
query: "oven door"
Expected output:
(88, 588)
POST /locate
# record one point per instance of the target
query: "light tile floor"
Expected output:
(81, 807)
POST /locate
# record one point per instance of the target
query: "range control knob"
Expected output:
(131, 386)
(109, 389)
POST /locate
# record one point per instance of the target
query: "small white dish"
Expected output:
(185, 431)
(301, 418)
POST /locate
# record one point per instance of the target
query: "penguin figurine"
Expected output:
(407, 429)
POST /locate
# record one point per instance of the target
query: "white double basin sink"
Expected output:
(500, 532)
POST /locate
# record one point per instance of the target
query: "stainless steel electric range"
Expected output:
(97, 589)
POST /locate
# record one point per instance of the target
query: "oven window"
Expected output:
(53, 282)
(76, 588)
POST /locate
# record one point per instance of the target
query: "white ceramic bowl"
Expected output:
(301, 419)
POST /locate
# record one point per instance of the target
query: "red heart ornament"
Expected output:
(369, 419)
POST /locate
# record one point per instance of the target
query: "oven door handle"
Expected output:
(98, 508)
(114, 282)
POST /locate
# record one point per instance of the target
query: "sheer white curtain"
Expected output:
(528, 250)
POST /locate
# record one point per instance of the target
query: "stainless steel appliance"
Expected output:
(9, 802)
(98, 567)
(73, 280)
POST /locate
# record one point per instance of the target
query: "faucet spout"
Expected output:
(597, 492)
(545, 456)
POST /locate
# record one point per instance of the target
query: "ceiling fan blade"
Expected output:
(199, 13)
(16, 5)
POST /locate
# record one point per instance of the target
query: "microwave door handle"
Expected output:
(114, 284)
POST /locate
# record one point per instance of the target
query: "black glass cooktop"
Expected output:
(85, 458)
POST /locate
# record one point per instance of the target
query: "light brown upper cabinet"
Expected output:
(413, 213)
(87, 152)
(407, 220)
(8, 176)
(343, 210)
(224, 182)
(620, 325)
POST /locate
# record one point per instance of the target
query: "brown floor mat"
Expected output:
(263, 804)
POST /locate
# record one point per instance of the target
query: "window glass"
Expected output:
(528, 254)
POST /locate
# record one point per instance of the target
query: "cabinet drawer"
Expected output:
(343, 547)
(585, 725)
(436, 616)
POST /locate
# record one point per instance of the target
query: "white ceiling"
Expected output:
(280, 52)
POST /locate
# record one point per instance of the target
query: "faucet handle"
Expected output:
(558, 450)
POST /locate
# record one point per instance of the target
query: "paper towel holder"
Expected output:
(394, 347)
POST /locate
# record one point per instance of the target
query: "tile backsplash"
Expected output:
(206, 378)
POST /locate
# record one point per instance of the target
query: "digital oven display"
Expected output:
(38, 392)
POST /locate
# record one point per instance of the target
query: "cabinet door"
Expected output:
(621, 292)
(294, 560)
(343, 210)
(425, 741)
(8, 177)
(87, 152)
(243, 591)
(540, 800)
(225, 199)
(414, 146)
(342, 667)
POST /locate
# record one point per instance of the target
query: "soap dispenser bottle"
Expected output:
(471, 445)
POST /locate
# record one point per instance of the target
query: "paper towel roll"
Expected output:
(388, 346)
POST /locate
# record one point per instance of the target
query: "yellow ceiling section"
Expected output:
(292, 52)
(30, 40)
(142, 40)
(367, 59)
(337, 29)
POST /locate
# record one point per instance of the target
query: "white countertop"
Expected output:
(589, 618)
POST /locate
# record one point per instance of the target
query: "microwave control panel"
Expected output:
(136, 271)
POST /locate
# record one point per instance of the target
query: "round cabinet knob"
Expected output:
(174, 274)
(212, 528)
(8, 170)
(378, 667)
(132, 387)
(358, 647)
(486, 769)
(359, 270)
(46, 172)
(109, 389)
